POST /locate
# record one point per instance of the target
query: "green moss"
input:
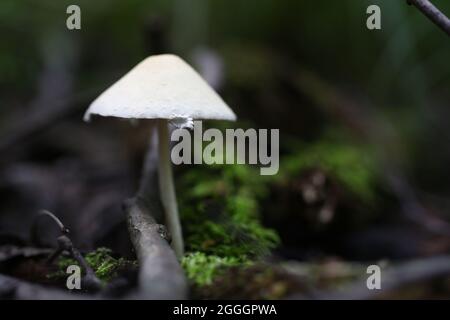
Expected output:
(351, 165)
(220, 212)
(105, 266)
(220, 204)
(202, 269)
(220, 215)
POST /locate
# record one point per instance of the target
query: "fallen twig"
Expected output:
(160, 275)
(433, 13)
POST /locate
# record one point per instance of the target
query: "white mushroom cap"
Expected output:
(161, 87)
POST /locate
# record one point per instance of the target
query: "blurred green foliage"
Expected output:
(399, 68)
(328, 34)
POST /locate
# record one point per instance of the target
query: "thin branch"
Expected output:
(61, 226)
(433, 13)
(160, 275)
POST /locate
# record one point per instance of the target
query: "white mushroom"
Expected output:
(162, 87)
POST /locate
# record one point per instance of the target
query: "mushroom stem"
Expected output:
(167, 189)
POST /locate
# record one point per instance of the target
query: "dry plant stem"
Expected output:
(167, 189)
(432, 13)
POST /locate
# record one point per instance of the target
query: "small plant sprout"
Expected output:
(163, 88)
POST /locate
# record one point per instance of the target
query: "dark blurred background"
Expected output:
(310, 68)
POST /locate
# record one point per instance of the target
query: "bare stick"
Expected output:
(433, 13)
(160, 275)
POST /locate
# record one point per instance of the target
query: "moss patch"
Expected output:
(351, 165)
(257, 281)
(220, 204)
(105, 266)
(202, 268)
(220, 217)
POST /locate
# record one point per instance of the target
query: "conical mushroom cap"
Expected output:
(161, 87)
